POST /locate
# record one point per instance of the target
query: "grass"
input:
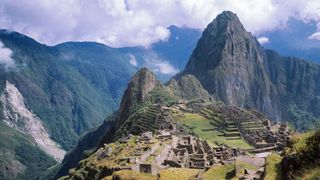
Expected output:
(312, 174)
(220, 172)
(273, 167)
(303, 151)
(130, 175)
(299, 142)
(197, 123)
(241, 166)
(178, 173)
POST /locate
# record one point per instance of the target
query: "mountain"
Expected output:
(189, 88)
(140, 85)
(55, 94)
(207, 115)
(19, 154)
(87, 144)
(233, 67)
(157, 131)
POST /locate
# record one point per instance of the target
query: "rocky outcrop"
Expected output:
(139, 86)
(233, 67)
(189, 88)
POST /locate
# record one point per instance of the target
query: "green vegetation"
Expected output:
(178, 173)
(273, 167)
(197, 124)
(302, 155)
(160, 95)
(241, 166)
(130, 175)
(301, 118)
(313, 174)
(220, 172)
(72, 87)
(20, 148)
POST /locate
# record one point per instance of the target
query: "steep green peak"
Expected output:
(142, 83)
(139, 86)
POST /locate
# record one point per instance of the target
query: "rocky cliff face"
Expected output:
(228, 61)
(19, 117)
(139, 86)
(231, 65)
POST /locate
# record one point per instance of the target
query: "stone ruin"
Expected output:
(168, 147)
(191, 152)
(180, 151)
(271, 137)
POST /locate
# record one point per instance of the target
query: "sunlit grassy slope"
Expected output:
(197, 124)
(220, 172)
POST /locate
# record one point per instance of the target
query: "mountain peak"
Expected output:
(223, 41)
(226, 24)
(228, 15)
(228, 61)
(139, 86)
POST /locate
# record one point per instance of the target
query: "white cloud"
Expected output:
(133, 60)
(159, 65)
(142, 22)
(6, 57)
(315, 36)
(263, 40)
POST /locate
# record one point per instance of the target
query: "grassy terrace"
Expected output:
(220, 172)
(197, 124)
(178, 173)
(132, 175)
(171, 173)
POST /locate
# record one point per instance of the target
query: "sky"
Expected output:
(120, 23)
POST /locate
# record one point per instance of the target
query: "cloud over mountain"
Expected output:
(142, 22)
(6, 57)
(158, 64)
(263, 40)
